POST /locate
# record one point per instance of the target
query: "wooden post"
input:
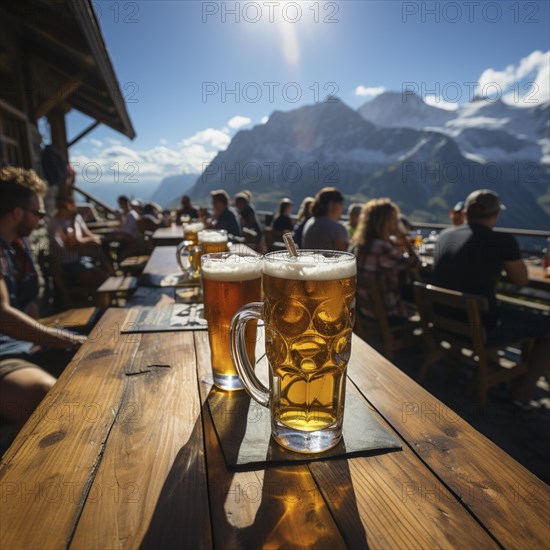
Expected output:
(56, 118)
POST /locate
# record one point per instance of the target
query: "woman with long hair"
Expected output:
(304, 213)
(282, 222)
(383, 253)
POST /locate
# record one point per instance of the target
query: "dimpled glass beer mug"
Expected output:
(207, 241)
(308, 311)
(229, 281)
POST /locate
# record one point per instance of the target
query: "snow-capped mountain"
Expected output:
(426, 171)
(485, 130)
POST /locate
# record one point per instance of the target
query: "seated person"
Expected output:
(304, 213)
(354, 211)
(379, 250)
(250, 225)
(324, 231)
(128, 232)
(282, 222)
(223, 217)
(151, 218)
(187, 209)
(25, 345)
(470, 258)
(75, 247)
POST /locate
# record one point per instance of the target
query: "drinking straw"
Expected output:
(290, 245)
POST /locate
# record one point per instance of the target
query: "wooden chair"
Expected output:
(378, 329)
(70, 296)
(465, 339)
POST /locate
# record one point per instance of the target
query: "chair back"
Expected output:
(451, 315)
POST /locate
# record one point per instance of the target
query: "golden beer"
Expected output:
(213, 240)
(308, 345)
(190, 233)
(229, 281)
(309, 311)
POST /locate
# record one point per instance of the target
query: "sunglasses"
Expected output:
(40, 214)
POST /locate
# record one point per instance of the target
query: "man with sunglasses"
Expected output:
(25, 344)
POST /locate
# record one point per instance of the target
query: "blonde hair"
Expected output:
(374, 221)
(28, 179)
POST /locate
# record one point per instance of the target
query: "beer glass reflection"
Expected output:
(229, 281)
(308, 310)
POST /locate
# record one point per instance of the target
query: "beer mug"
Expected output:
(191, 231)
(229, 280)
(308, 311)
(203, 241)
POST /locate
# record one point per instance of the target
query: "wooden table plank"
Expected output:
(276, 507)
(153, 474)
(52, 462)
(168, 236)
(397, 501)
(506, 498)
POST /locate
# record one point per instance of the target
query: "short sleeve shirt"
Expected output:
(19, 274)
(470, 259)
(321, 233)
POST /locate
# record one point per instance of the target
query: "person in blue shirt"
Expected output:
(23, 383)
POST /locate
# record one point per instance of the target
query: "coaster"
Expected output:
(171, 318)
(244, 432)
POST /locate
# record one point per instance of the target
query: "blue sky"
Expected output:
(174, 58)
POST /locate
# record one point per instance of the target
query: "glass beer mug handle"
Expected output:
(237, 341)
(195, 259)
(181, 247)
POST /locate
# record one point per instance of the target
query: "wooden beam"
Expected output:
(59, 96)
(84, 132)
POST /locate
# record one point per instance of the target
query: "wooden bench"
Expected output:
(114, 289)
(133, 265)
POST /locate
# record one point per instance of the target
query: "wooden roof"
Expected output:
(68, 63)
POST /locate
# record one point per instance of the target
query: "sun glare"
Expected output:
(289, 23)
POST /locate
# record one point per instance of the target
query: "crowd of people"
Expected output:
(469, 257)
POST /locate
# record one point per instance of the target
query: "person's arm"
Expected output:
(516, 271)
(86, 235)
(18, 325)
(341, 241)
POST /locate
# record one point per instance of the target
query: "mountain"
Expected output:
(485, 130)
(396, 110)
(425, 171)
(171, 188)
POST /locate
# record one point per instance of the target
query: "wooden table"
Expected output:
(162, 262)
(122, 453)
(168, 236)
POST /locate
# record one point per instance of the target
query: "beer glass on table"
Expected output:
(308, 311)
(190, 240)
(229, 280)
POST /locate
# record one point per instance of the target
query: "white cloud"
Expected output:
(238, 122)
(525, 84)
(96, 142)
(264, 119)
(436, 101)
(163, 141)
(113, 141)
(211, 137)
(363, 91)
(121, 163)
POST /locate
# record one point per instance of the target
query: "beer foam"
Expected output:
(193, 227)
(212, 237)
(311, 267)
(232, 268)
